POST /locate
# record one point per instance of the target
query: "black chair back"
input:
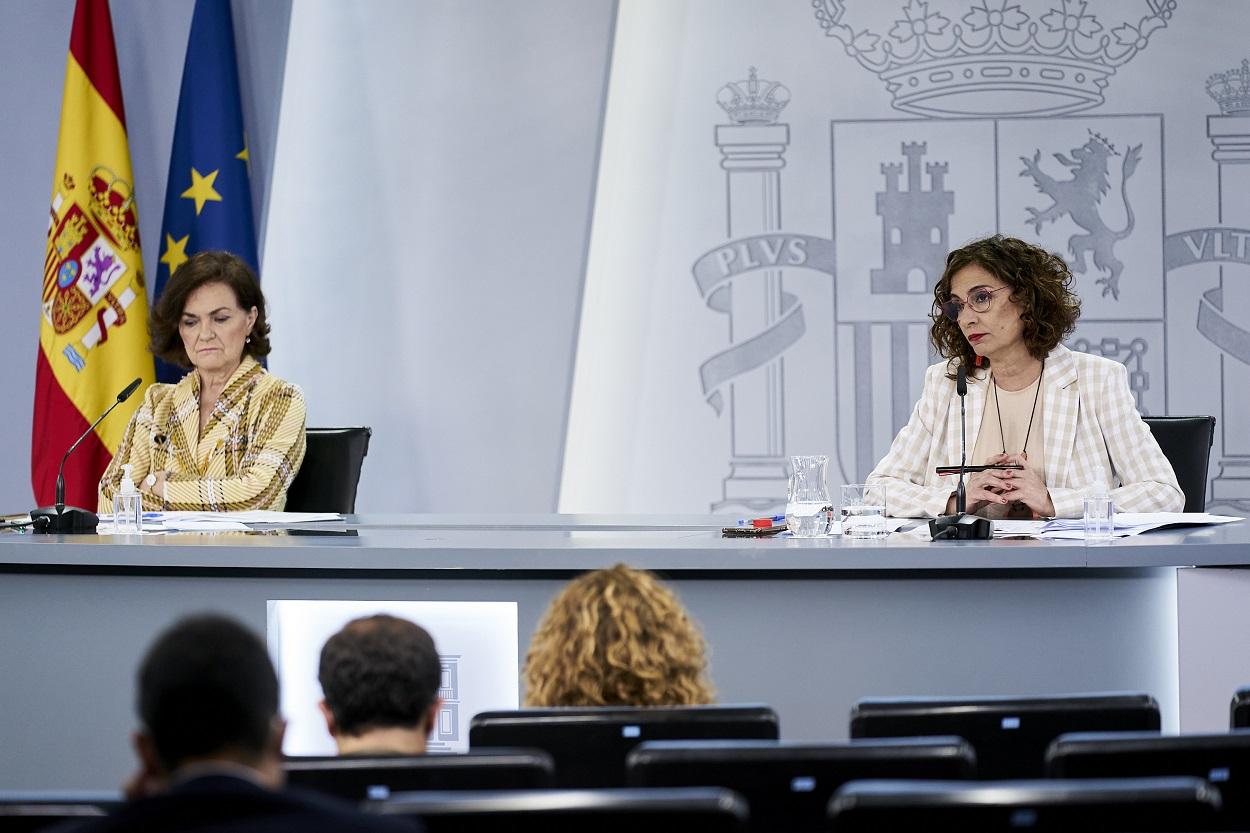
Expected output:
(330, 473)
(573, 811)
(1186, 442)
(1223, 760)
(21, 812)
(377, 777)
(1009, 734)
(1128, 804)
(1239, 709)
(590, 745)
(787, 785)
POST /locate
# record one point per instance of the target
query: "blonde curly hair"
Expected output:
(617, 637)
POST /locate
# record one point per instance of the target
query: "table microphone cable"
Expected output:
(36, 523)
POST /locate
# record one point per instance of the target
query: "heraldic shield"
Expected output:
(1089, 188)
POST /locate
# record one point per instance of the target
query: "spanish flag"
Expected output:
(93, 333)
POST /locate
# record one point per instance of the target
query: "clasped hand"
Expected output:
(1006, 486)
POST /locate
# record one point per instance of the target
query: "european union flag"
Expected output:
(208, 197)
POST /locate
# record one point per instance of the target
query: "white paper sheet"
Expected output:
(1134, 523)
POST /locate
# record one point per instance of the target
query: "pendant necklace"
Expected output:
(1033, 412)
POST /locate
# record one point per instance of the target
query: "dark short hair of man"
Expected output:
(207, 686)
(379, 672)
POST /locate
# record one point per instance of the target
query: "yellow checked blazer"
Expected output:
(1092, 432)
(251, 449)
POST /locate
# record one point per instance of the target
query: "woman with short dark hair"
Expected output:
(230, 435)
(1001, 310)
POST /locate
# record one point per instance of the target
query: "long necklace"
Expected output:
(1033, 412)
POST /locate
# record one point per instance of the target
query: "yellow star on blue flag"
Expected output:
(208, 196)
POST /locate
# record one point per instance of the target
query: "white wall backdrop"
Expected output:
(426, 237)
(425, 242)
(721, 332)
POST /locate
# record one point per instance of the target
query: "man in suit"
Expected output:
(210, 745)
(380, 676)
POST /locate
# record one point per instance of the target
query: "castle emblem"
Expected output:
(915, 224)
(1000, 61)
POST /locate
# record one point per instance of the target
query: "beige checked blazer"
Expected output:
(1092, 432)
(246, 459)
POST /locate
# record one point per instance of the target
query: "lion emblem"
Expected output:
(1080, 197)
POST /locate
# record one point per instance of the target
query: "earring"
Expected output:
(247, 340)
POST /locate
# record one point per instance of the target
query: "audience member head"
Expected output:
(380, 677)
(617, 637)
(208, 695)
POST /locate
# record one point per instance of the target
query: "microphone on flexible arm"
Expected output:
(70, 519)
(961, 525)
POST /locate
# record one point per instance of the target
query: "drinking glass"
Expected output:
(808, 510)
(863, 511)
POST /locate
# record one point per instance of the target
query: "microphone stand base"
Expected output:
(70, 520)
(961, 527)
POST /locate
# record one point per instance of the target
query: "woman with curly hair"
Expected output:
(1001, 309)
(616, 637)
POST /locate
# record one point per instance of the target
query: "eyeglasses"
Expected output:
(979, 299)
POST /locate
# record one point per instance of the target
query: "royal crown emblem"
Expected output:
(999, 59)
(1231, 89)
(753, 101)
(112, 203)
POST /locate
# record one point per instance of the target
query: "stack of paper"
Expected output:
(1133, 523)
(218, 521)
(254, 516)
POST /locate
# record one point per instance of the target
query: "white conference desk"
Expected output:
(808, 626)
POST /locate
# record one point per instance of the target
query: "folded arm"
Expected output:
(269, 465)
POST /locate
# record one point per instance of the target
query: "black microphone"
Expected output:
(71, 519)
(961, 525)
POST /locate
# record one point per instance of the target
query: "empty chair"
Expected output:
(328, 477)
(704, 810)
(21, 812)
(1223, 760)
(1239, 709)
(1128, 804)
(589, 745)
(1186, 442)
(1009, 734)
(359, 778)
(787, 785)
